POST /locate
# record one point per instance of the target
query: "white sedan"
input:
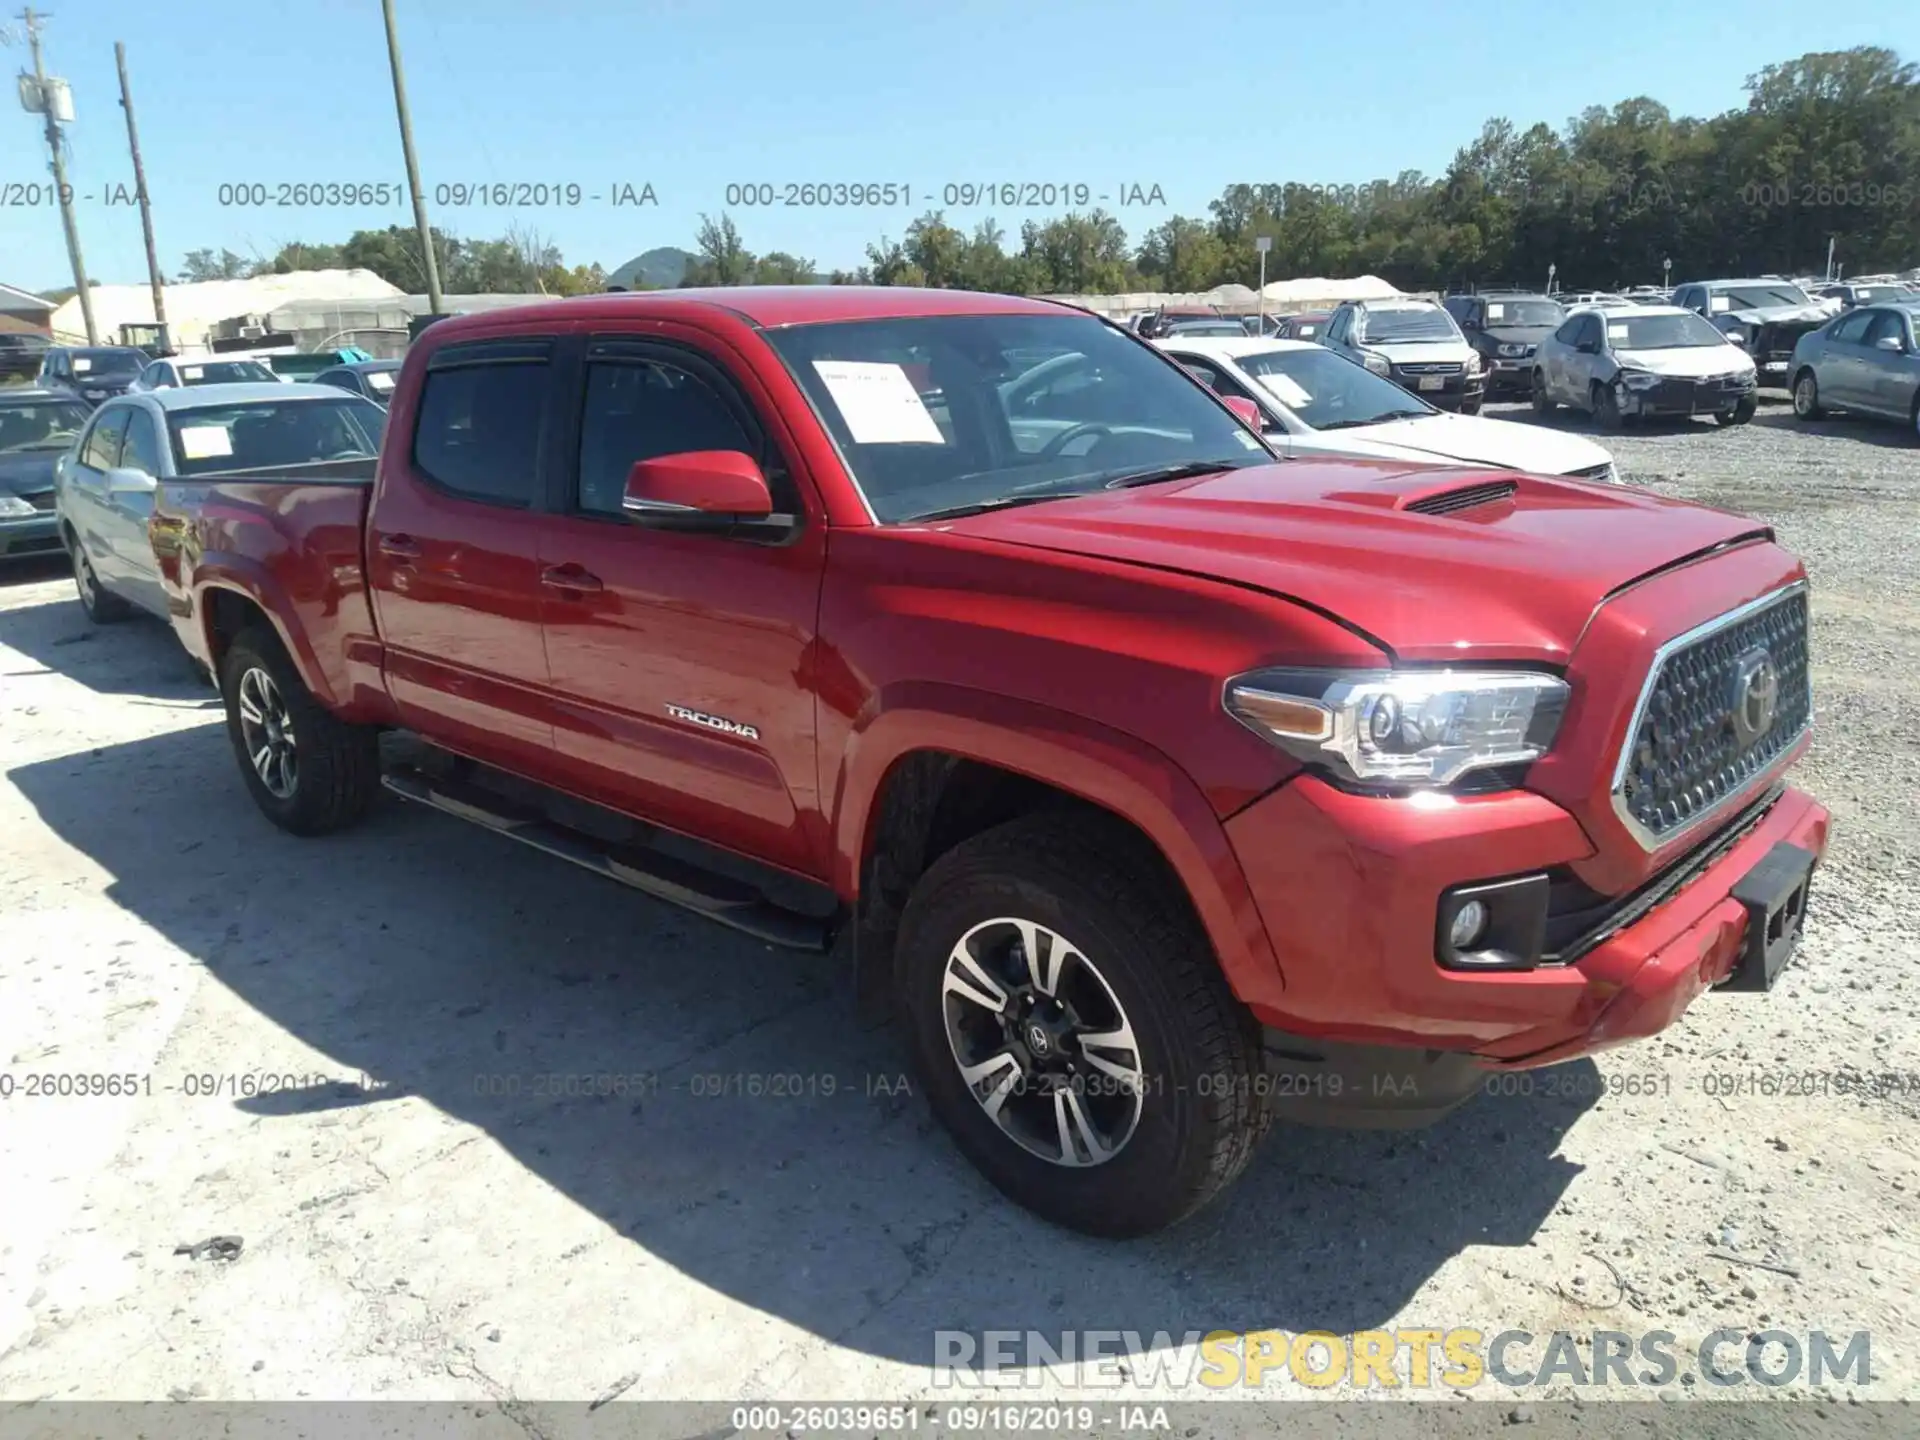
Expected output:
(1316, 402)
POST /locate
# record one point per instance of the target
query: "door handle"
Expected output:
(570, 577)
(399, 547)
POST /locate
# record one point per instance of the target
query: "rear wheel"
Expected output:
(308, 771)
(1543, 404)
(1915, 417)
(1073, 1030)
(1806, 396)
(103, 607)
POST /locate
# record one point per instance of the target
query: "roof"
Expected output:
(195, 397)
(12, 297)
(1230, 348)
(11, 393)
(770, 306)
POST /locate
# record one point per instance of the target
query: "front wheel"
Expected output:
(103, 607)
(1606, 408)
(1073, 1030)
(307, 770)
(1741, 413)
(1543, 403)
(1806, 396)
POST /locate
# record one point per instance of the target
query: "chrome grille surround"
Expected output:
(1683, 720)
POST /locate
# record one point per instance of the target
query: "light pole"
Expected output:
(413, 165)
(1263, 243)
(1552, 270)
(1666, 273)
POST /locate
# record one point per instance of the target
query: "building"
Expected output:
(24, 311)
(312, 305)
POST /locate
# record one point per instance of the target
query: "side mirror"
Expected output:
(1890, 343)
(1245, 411)
(128, 481)
(697, 490)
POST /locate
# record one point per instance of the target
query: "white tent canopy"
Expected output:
(1310, 293)
(194, 309)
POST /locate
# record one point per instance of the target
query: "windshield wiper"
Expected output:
(1002, 502)
(1188, 470)
(1391, 415)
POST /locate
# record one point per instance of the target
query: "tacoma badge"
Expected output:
(713, 722)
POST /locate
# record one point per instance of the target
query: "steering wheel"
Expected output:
(1054, 447)
(346, 455)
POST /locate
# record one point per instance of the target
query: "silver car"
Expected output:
(104, 485)
(1866, 361)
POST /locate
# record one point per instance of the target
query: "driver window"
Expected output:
(1885, 325)
(641, 411)
(141, 451)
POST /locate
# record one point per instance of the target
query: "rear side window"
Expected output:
(102, 450)
(641, 411)
(478, 430)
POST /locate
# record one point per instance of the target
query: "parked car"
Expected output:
(1571, 300)
(1852, 293)
(20, 355)
(1305, 326)
(1141, 766)
(305, 364)
(1413, 343)
(174, 373)
(1642, 363)
(1768, 317)
(36, 427)
(1506, 328)
(1866, 361)
(1314, 402)
(90, 372)
(372, 379)
(1221, 326)
(105, 483)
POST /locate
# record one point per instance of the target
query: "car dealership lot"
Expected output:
(538, 1135)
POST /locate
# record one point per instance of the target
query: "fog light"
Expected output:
(1469, 924)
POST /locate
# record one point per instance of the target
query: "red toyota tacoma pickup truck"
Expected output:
(1163, 786)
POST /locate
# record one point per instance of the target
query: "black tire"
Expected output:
(1741, 413)
(1913, 417)
(1806, 396)
(1200, 1116)
(1542, 406)
(335, 770)
(1471, 407)
(101, 605)
(1606, 409)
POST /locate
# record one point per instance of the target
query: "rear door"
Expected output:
(452, 549)
(84, 500)
(647, 628)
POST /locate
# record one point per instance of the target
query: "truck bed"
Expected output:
(290, 539)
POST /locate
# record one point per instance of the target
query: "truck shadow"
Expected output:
(135, 656)
(449, 964)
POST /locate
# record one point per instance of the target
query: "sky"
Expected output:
(240, 100)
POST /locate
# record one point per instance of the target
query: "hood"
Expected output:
(1518, 334)
(1817, 314)
(1473, 440)
(1514, 579)
(28, 472)
(1687, 362)
(1412, 352)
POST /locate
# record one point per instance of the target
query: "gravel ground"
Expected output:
(420, 1222)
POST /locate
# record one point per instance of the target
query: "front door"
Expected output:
(129, 507)
(86, 505)
(452, 550)
(681, 662)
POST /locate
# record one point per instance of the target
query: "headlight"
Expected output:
(12, 507)
(1638, 379)
(1398, 728)
(1513, 351)
(1378, 364)
(1473, 362)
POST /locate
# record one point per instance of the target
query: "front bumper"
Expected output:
(1447, 390)
(1349, 886)
(1507, 376)
(1680, 397)
(37, 534)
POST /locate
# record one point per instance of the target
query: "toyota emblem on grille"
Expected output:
(1756, 696)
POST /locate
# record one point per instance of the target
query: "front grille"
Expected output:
(1694, 746)
(42, 501)
(1430, 367)
(1712, 393)
(1465, 498)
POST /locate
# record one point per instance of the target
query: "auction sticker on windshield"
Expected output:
(1495, 311)
(192, 372)
(1617, 332)
(879, 403)
(205, 442)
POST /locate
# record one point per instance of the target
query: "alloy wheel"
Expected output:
(1804, 397)
(1042, 1041)
(83, 579)
(266, 728)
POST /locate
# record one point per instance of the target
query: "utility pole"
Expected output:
(64, 191)
(140, 187)
(1263, 243)
(413, 165)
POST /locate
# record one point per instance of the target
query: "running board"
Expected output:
(737, 904)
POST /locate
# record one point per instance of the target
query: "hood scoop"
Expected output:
(1463, 497)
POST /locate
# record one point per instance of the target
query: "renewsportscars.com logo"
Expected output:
(1417, 1359)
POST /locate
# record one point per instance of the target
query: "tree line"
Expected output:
(1826, 148)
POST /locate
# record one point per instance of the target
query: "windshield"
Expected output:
(934, 413)
(226, 372)
(40, 425)
(1404, 326)
(1759, 297)
(1872, 294)
(258, 433)
(1523, 314)
(1661, 332)
(108, 362)
(1329, 391)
